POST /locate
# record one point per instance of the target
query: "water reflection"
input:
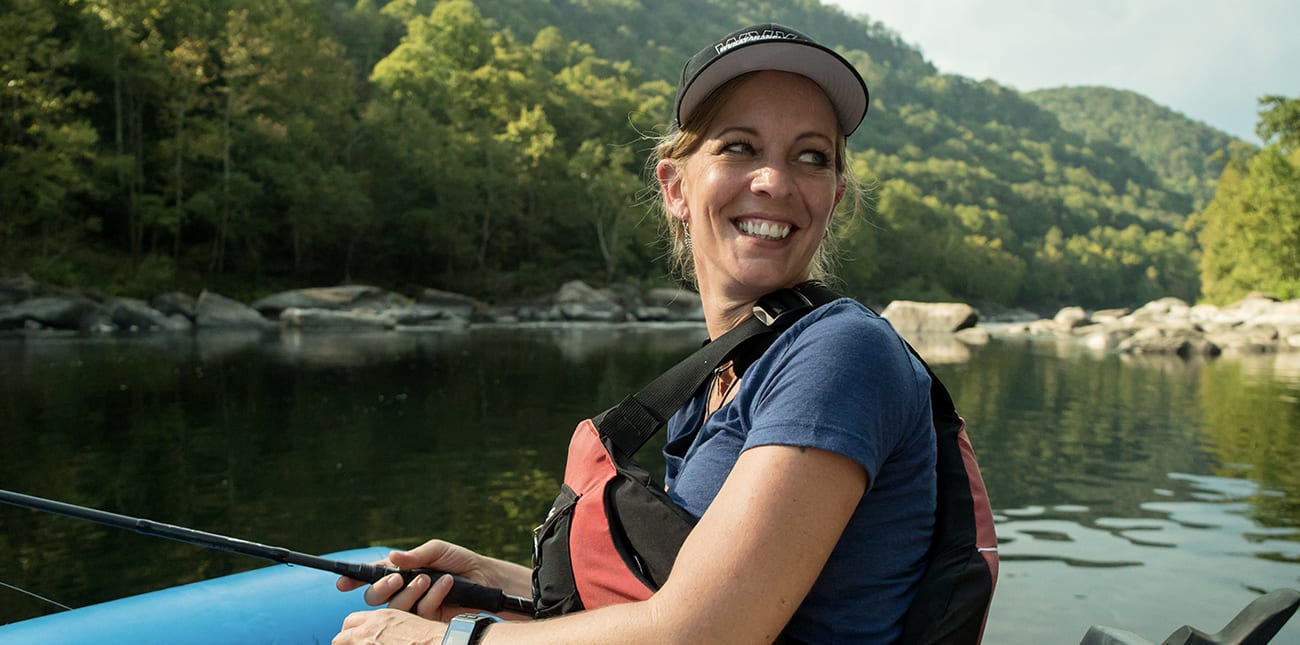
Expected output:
(1141, 493)
(941, 349)
(1196, 558)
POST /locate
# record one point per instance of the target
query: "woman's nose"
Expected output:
(771, 179)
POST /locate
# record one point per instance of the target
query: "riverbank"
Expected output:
(29, 306)
(1257, 324)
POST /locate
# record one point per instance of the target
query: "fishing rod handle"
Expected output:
(463, 592)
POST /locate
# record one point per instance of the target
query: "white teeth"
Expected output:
(765, 230)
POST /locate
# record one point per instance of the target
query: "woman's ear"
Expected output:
(670, 184)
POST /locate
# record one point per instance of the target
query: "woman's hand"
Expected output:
(388, 626)
(423, 596)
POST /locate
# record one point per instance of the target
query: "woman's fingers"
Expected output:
(384, 589)
(421, 596)
(407, 596)
(430, 605)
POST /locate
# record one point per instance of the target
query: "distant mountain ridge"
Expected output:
(1178, 148)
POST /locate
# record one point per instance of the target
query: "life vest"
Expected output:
(613, 534)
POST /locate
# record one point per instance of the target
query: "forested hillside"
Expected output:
(1180, 151)
(497, 147)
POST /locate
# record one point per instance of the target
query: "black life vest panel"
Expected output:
(613, 534)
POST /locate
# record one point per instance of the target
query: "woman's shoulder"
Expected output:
(849, 334)
(845, 318)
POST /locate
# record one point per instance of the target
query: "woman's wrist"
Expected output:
(514, 579)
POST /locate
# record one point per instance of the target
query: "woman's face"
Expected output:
(758, 192)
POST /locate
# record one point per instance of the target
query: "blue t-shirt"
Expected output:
(840, 379)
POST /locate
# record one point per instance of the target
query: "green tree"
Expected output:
(1280, 117)
(432, 120)
(46, 143)
(1250, 231)
(290, 89)
(160, 74)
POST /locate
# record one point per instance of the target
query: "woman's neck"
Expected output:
(724, 309)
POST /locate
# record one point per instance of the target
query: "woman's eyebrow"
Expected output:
(753, 132)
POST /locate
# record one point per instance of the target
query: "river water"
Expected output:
(1141, 494)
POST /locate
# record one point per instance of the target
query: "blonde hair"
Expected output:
(680, 143)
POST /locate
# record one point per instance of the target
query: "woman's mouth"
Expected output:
(763, 229)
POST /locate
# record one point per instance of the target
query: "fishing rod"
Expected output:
(463, 592)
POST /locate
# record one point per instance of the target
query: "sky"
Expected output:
(1210, 60)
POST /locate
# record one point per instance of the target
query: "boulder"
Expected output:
(1070, 317)
(130, 314)
(344, 297)
(680, 305)
(56, 312)
(330, 319)
(1283, 315)
(579, 302)
(1044, 327)
(174, 303)
(911, 318)
(1173, 340)
(1247, 339)
(215, 311)
(454, 305)
(1168, 307)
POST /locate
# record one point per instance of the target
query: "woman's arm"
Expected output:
(746, 566)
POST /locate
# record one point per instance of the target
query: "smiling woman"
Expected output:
(816, 457)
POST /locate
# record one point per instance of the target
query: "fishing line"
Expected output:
(34, 595)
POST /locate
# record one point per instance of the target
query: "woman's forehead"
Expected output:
(782, 98)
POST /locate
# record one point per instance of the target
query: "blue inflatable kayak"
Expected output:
(276, 604)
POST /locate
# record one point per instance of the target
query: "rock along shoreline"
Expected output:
(1169, 326)
(27, 306)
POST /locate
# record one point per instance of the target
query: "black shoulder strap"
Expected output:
(633, 421)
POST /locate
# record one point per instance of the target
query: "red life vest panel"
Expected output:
(610, 538)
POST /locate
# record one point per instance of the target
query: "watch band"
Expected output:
(467, 629)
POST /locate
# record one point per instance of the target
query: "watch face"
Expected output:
(459, 632)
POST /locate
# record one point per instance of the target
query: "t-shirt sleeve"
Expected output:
(846, 384)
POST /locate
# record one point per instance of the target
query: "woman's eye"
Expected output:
(738, 147)
(815, 157)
